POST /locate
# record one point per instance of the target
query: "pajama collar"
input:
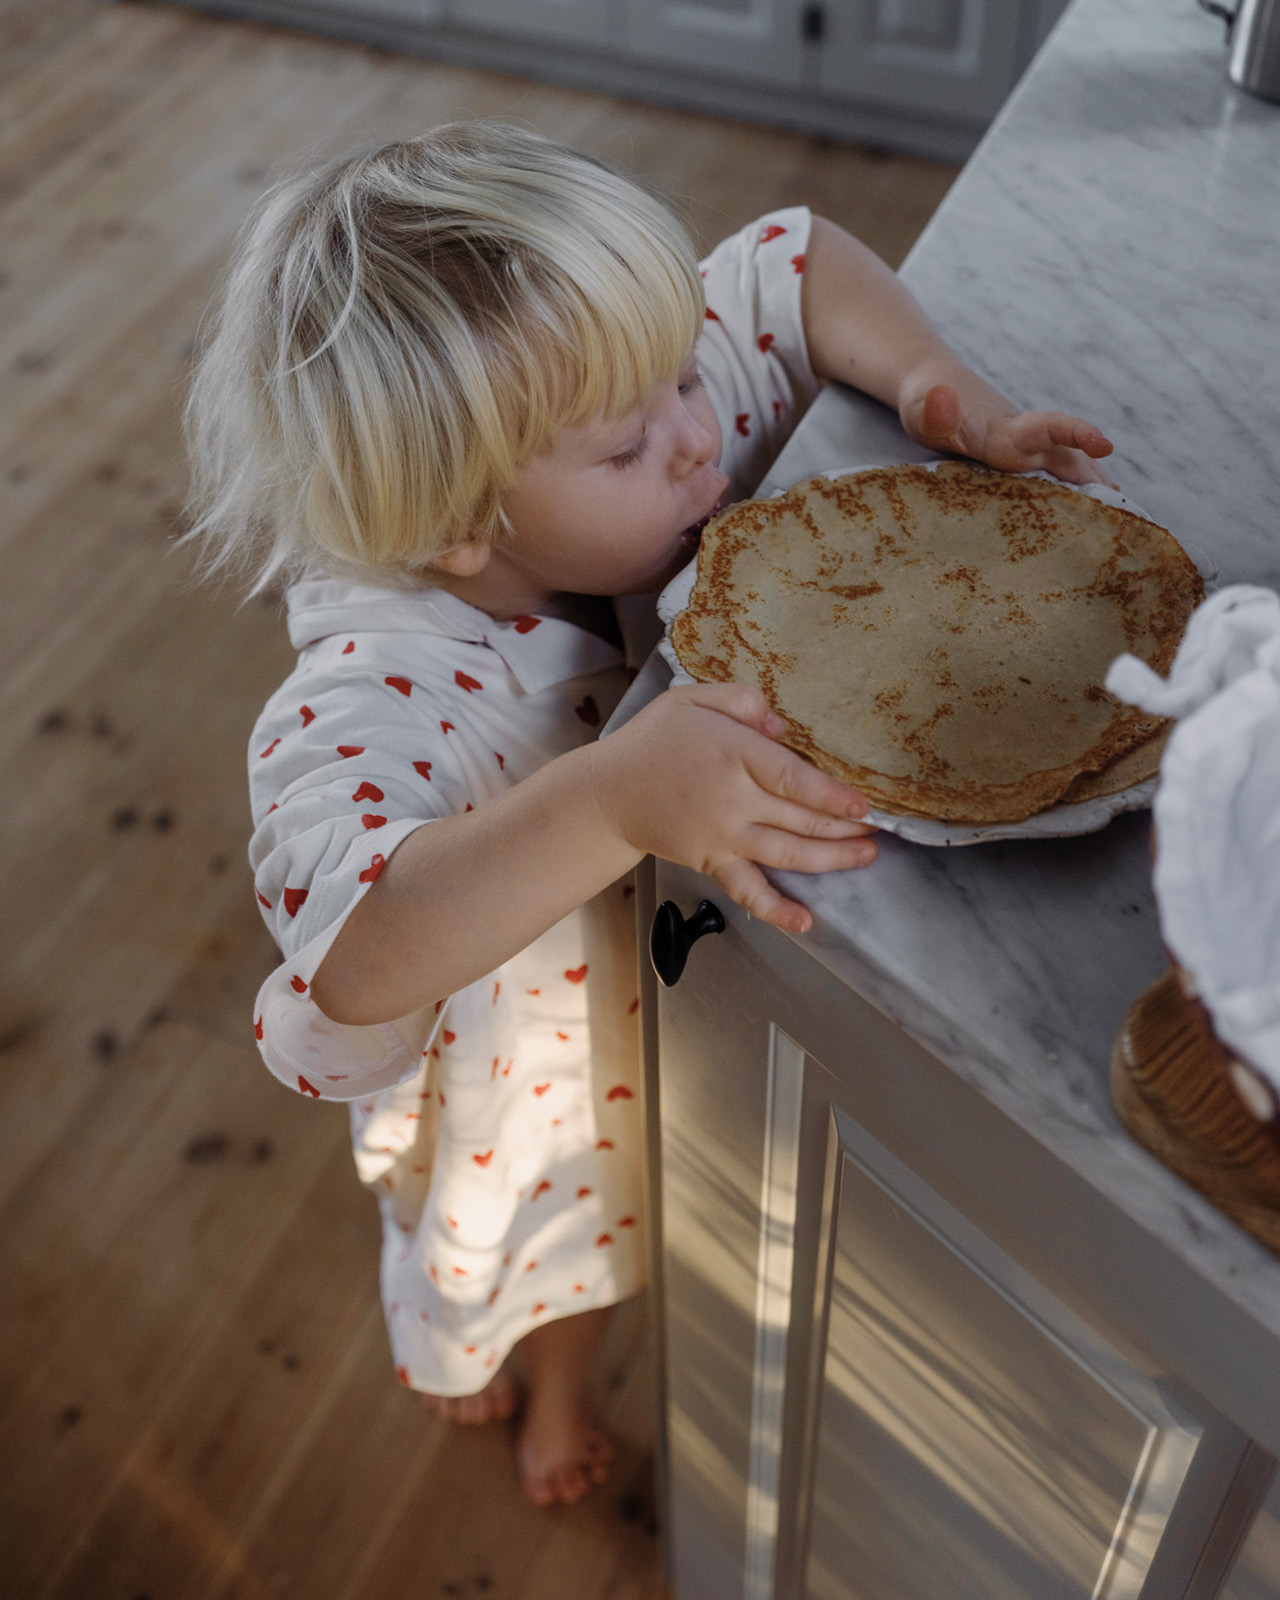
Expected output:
(539, 651)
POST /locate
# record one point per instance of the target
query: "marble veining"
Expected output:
(1110, 250)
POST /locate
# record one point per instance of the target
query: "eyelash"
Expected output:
(628, 458)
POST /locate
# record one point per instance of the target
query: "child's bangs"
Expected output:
(626, 322)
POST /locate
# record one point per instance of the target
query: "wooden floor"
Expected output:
(196, 1399)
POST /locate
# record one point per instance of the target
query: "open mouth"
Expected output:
(691, 538)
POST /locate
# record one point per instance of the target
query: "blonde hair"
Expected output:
(403, 329)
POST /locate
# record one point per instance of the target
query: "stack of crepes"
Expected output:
(1217, 818)
(939, 638)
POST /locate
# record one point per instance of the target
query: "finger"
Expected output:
(744, 883)
(940, 416)
(1039, 432)
(782, 773)
(737, 700)
(770, 847)
(789, 817)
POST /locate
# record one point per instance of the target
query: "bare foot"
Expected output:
(561, 1454)
(561, 1450)
(494, 1403)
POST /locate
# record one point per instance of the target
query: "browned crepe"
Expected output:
(940, 639)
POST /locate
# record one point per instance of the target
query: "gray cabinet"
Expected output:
(760, 39)
(577, 21)
(887, 1376)
(925, 76)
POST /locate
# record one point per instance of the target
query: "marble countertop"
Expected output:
(1109, 250)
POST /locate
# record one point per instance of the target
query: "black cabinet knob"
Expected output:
(671, 937)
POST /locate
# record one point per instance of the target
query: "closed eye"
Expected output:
(628, 458)
(693, 382)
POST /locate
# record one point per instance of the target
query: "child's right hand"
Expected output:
(697, 778)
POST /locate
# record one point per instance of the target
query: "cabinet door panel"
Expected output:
(868, 1399)
(570, 21)
(742, 38)
(948, 57)
(967, 1447)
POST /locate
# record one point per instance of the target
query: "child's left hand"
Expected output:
(985, 427)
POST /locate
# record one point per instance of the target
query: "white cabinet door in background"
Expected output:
(742, 38)
(568, 21)
(945, 57)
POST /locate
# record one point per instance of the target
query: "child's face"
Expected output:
(616, 506)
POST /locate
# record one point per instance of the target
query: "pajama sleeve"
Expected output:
(342, 769)
(753, 354)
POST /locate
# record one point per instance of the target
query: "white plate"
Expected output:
(1086, 816)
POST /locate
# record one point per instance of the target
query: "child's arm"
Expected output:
(695, 777)
(864, 328)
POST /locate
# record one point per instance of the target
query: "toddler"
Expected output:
(472, 398)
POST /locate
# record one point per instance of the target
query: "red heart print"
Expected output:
(262, 899)
(346, 751)
(497, 989)
(506, 1071)
(589, 711)
(501, 760)
(423, 769)
(530, 1266)
(493, 1295)
(449, 1037)
(779, 406)
(467, 807)
(447, 727)
(269, 749)
(533, 991)
(540, 1089)
(604, 1144)
(348, 647)
(272, 808)
(579, 1288)
(620, 1092)
(626, 1222)
(443, 1101)
(483, 1159)
(372, 820)
(742, 422)
(373, 869)
(468, 1349)
(403, 1376)
(543, 1188)
(773, 231)
(451, 1221)
(798, 263)
(464, 680)
(308, 1088)
(439, 1005)
(605, 1238)
(527, 624)
(710, 315)
(493, 1070)
(307, 714)
(633, 1007)
(402, 684)
(435, 1276)
(584, 1192)
(538, 1309)
(563, 1037)
(257, 1029)
(576, 974)
(293, 900)
(764, 341)
(460, 1272)
(298, 983)
(369, 791)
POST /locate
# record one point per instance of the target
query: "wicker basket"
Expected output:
(1183, 1097)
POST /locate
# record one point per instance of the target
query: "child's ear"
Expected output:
(463, 560)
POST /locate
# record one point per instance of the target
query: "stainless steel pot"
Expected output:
(1253, 33)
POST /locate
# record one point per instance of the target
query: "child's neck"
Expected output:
(501, 601)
